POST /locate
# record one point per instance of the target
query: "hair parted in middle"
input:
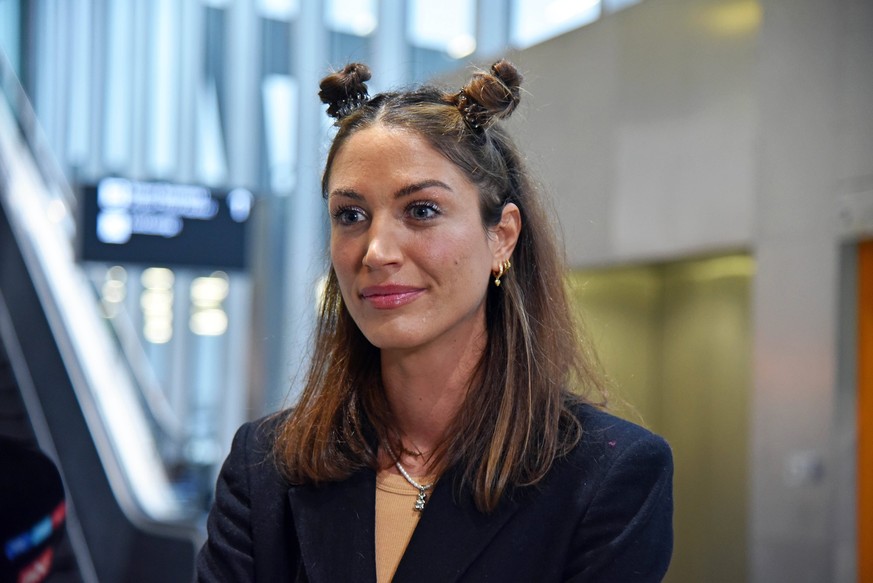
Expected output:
(517, 419)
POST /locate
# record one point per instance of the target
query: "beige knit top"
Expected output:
(396, 518)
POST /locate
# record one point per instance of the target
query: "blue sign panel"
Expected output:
(160, 223)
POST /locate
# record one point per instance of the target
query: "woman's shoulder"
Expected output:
(260, 434)
(604, 434)
(252, 451)
(618, 481)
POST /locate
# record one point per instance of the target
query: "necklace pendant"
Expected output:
(421, 500)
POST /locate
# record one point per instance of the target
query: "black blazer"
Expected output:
(603, 513)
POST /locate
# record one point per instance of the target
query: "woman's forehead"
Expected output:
(384, 153)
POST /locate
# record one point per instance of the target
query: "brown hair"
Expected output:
(519, 418)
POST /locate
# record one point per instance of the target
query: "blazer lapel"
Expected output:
(450, 535)
(335, 525)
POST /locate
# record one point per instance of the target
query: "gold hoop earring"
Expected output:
(504, 267)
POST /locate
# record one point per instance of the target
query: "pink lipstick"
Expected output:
(386, 297)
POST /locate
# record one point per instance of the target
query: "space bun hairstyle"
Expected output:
(518, 419)
(487, 98)
(346, 90)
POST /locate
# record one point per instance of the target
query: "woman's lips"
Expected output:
(386, 297)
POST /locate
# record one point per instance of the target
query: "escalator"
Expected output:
(15, 423)
(65, 386)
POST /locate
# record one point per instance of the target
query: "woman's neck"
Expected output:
(426, 388)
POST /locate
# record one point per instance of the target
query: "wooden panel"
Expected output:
(865, 411)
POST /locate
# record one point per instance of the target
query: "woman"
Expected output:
(447, 430)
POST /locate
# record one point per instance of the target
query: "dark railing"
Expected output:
(89, 408)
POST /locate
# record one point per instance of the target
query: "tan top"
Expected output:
(396, 518)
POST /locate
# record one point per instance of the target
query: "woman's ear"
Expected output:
(505, 234)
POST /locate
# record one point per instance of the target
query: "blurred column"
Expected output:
(82, 88)
(164, 122)
(235, 409)
(305, 233)
(140, 80)
(243, 151)
(211, 159)
(390, 47)
(242, 94)
(117, 128)
(190, 81)
(97, 79)
(492, 28)
(60, 43)
(42, 64)
(796, 290)
(10, 32)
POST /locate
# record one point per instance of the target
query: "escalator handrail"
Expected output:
(33, 136)
(65, 209)
(100, 377)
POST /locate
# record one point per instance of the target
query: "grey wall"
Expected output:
(678, 127)
(814, 139)
(644, 127)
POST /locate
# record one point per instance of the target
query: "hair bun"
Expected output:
(490, 96)
(345, 91)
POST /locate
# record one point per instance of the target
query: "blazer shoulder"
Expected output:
(249, 528)
(255, 442)
(606, 435)
(262, 432)
(620, 475)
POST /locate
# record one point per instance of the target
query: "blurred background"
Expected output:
(162, 240)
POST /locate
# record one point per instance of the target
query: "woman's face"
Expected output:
(411, 254)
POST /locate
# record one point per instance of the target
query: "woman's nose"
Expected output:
(383, 246)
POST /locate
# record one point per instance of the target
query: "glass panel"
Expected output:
(119, 84)
(440, 34)
(535, 21)
(448, 26)
(351, 24)
(276, 52)
(10, 36)
(278, 9)
(349, 48)
(212, 159)
(354, 17)
(82, 90)
(280, 102)
(163, 154)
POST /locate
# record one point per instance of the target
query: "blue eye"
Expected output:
(348, 215)
(423, 211)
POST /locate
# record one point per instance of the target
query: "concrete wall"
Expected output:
(644, 127)
(685, 126)
(815, 93)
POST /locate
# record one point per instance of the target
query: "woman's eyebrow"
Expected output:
(346, 192)
(407, 190)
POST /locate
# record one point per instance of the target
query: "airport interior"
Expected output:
(710, 162)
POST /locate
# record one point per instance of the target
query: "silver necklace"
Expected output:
(422, 488)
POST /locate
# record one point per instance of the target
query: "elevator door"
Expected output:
(675, 339)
